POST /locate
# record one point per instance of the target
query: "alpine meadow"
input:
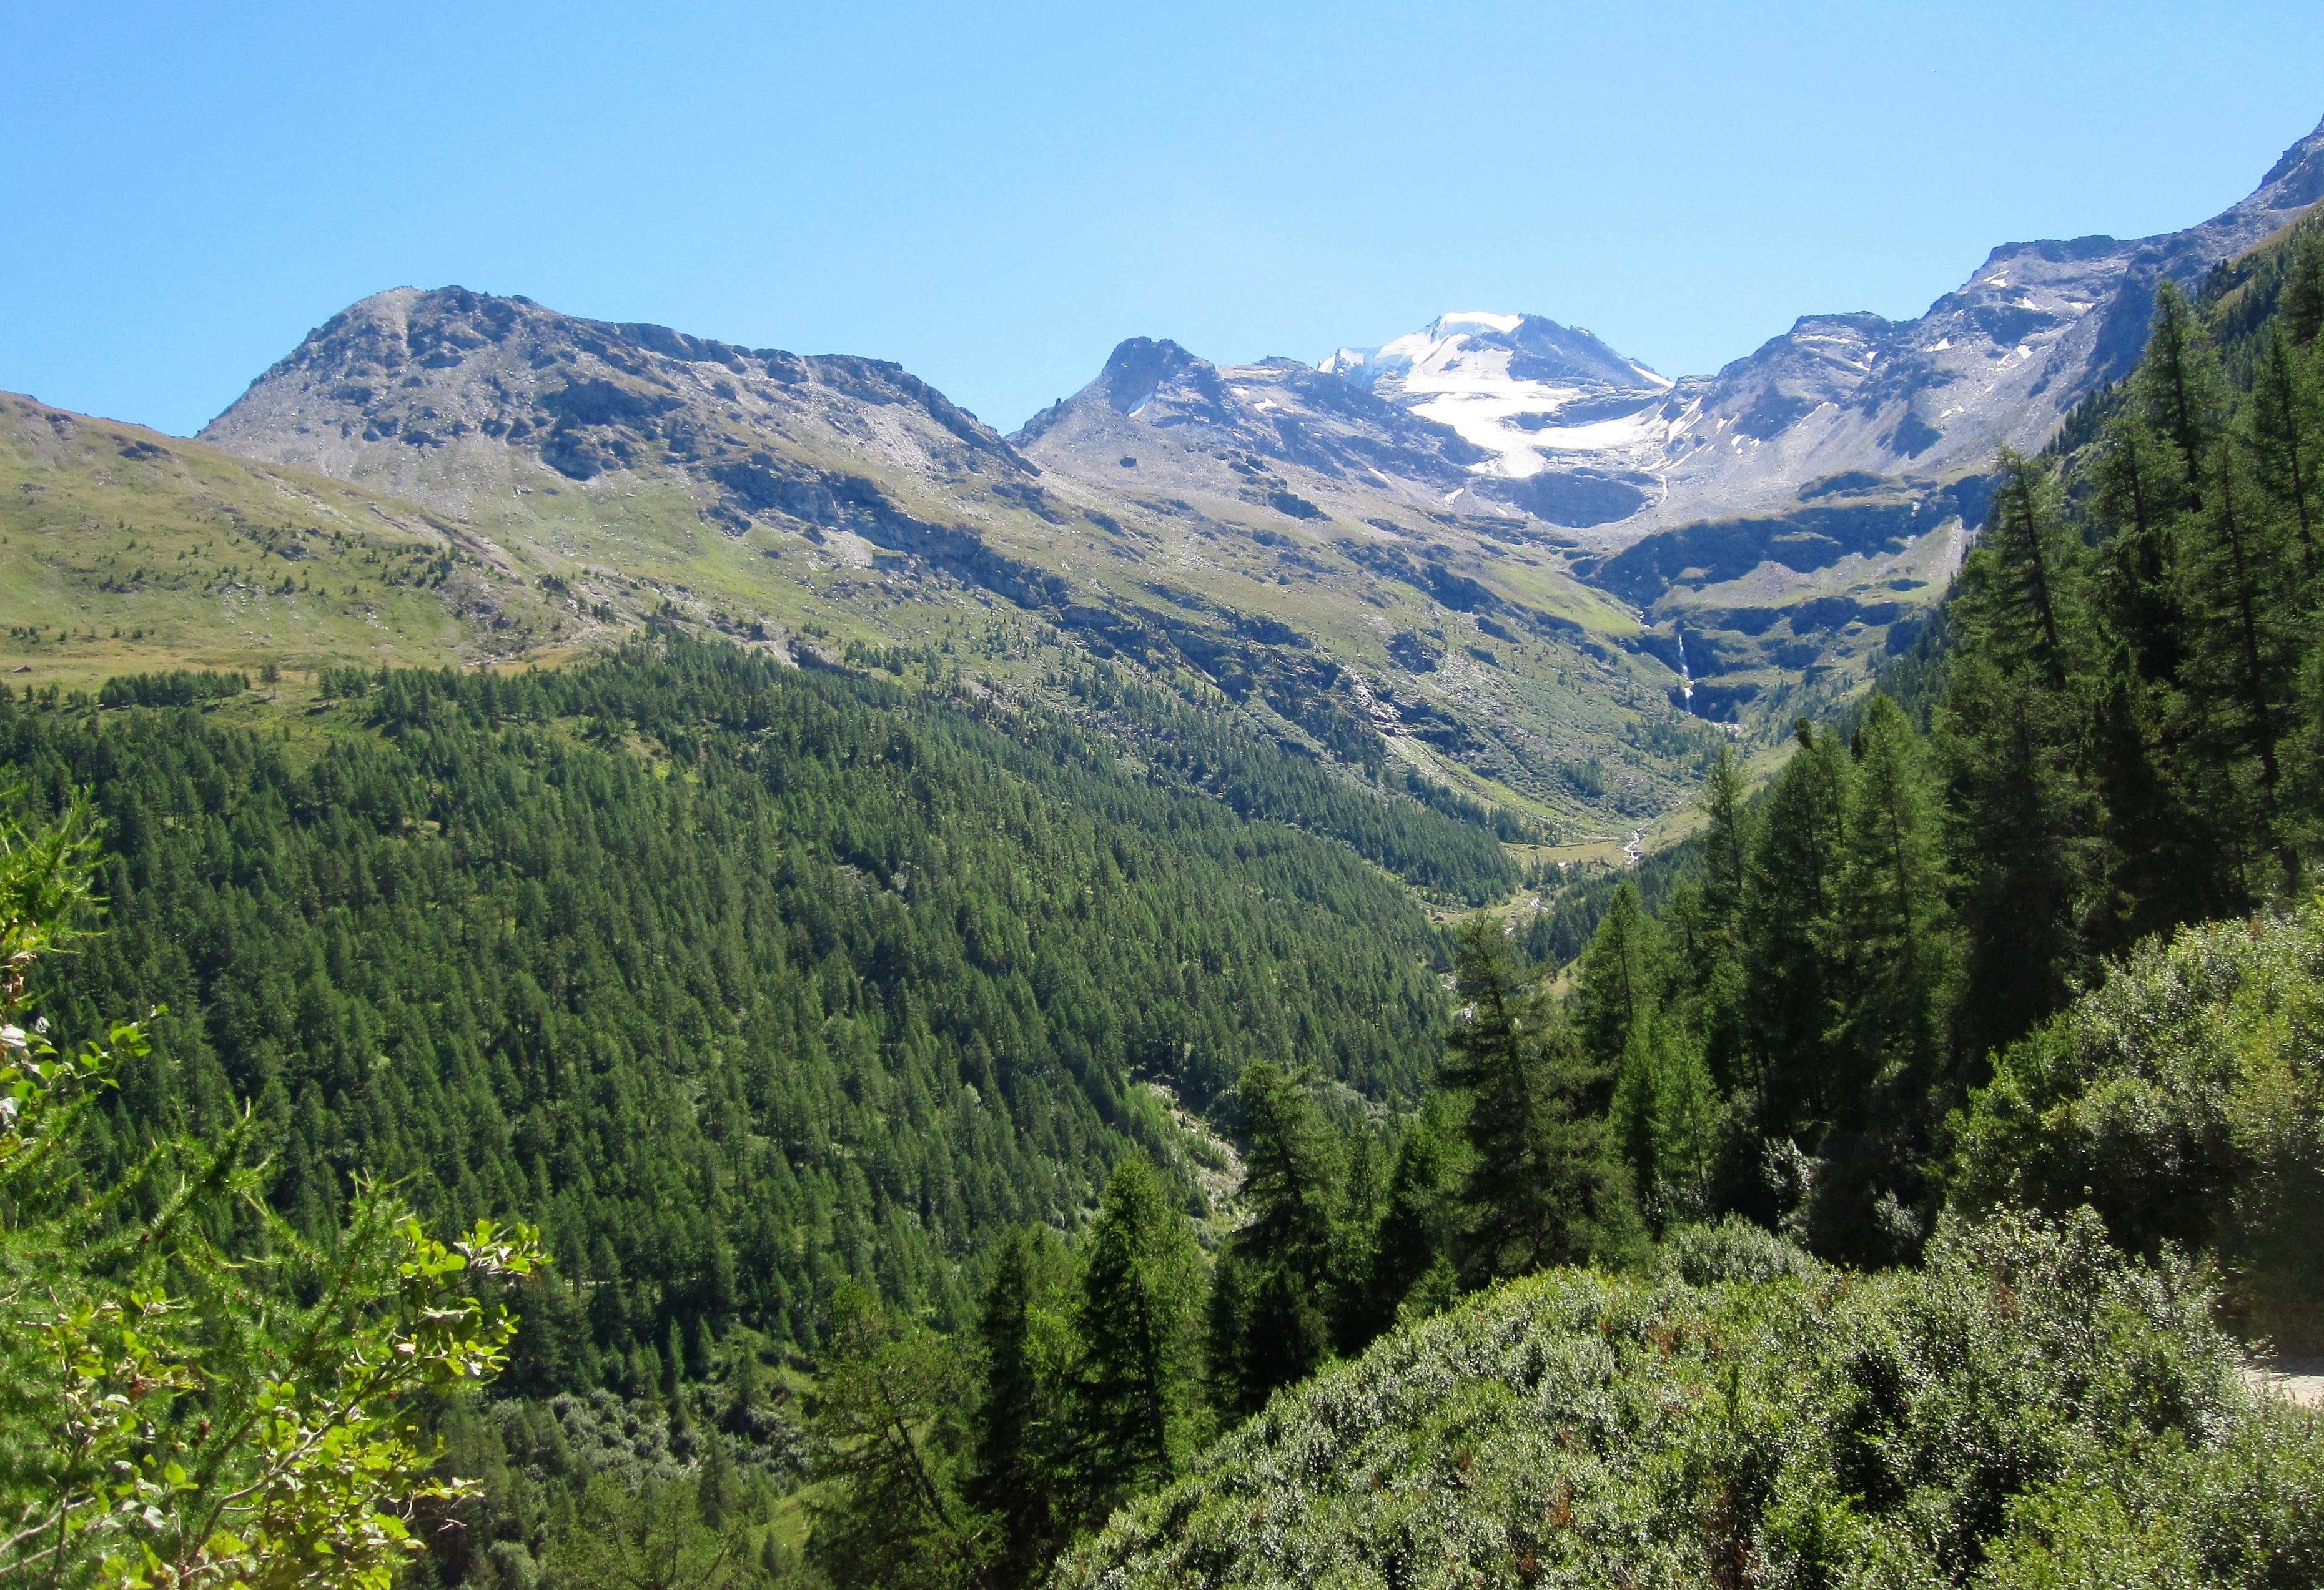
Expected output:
(629, 962)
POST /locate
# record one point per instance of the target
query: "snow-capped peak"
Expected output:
(1484, 318)
(1523, 387)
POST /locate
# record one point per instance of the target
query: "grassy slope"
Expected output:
(637, 537)
(122, 550)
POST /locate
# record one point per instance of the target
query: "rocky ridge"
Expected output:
(812, 504)
(1789, 519)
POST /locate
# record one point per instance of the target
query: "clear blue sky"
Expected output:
(995, 195)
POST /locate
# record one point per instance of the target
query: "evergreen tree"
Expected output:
(1630, 1023)
(2238, 587)
(1619, 986)
(1711, 939)
(887, 1416)
(1020, 1434)
(2179, 387)
(2134, 503)
(1544, 1185)
(1138, 1329)
(1796, 981)
(1666, 1116)
(2303, 288)
(1273, 1305)
(655, 1538)
(2009, 736)
(1411, 1272)
(2285, 419)
(1894, 918)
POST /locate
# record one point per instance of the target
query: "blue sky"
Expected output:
(994, 195)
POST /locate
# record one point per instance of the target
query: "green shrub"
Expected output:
(2183, 1100)
(1995, 1416)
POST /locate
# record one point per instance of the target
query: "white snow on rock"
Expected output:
(1519, 386)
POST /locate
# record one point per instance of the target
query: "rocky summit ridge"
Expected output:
(1999, 360)
(832, 507)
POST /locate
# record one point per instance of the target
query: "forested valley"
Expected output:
(825, 1077)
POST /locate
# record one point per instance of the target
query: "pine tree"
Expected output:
(1618, 988)
(2238, 583)
(2134, 505)
(1893, 917)
(1018, 1471)
(2286, 437)
(887, 1418)
(1630, 1018)
(1544, 1185)
(1713, 955)
(1790, 956)
(1138, 1329)
(2019, 832)
(2304, 287)
(1411, 1273)
(2178, 386)
(1273, 1304)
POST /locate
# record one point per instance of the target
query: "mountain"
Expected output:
(1496, 556)
(807, 504)
(1998, 362)
(1553, 412)
(122, 550)
(1781, 527)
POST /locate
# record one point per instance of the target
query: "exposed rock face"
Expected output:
(807, 502)
(404, 389)
(1277, 409)
(1562, 428)
(1495, 549)
(1998, 362)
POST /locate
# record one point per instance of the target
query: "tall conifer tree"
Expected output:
(2008, 735)
(1894, 917)
(1020, 1425)
(1544, 1185)
(1273, 1304)
(1791, 959)
(1139, 1327)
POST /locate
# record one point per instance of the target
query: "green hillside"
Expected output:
(997, 1108)
(812, 502)
(125, 551)
(742, 980)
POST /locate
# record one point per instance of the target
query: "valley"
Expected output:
(637, 962)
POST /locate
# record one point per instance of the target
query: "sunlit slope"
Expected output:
(813, 502)
(122, 550)
(2000, 1417)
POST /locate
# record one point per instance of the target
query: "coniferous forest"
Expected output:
(907, 1131)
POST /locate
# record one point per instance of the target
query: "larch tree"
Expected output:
(1544, 1184)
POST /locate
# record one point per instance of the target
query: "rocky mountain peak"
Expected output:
(2297, 178)
(431, 394)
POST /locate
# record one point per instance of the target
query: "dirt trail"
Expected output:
(2300, 1380)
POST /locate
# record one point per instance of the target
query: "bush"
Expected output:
(1999, 1413)
(2184, 1100)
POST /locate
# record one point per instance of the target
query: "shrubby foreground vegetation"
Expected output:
(2027, 1408)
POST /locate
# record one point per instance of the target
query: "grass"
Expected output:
(124, 551)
